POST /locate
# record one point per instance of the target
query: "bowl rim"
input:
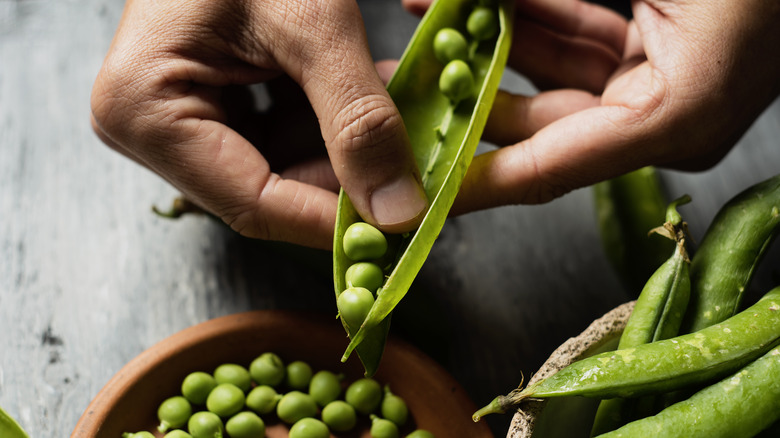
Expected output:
(140, 367)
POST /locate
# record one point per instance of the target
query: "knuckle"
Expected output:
(366, 125)
(112, 95)
(542, 191)
(252, 215)
(543, 185)
(247, 221)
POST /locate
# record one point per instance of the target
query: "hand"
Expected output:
(677, 86)
(166, 97)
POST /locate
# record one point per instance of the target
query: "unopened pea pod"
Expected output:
(741, 405)
(444, 136)
(662, 366)
(730, 251)
(657, 315)
(661, 305)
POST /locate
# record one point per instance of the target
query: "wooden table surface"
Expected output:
(89, 277)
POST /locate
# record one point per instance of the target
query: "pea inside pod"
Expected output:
(449, 45)
(456, 81)
(444, 136)
(482, 23)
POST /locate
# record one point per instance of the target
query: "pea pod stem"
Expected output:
(441, 134)
(669, 364)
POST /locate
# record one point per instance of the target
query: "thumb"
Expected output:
(366, 139)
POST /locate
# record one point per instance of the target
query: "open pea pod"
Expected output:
(444, 137)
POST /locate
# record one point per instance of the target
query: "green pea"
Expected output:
(298, 375)
(364, 395)
(245, 425)
(365, 274)
(482, 23)
(267, 369)
(364, 242)
(354, 305)
(383, 428)
(420, 433)
(339, 415)
(178, 433)
(205, 424)
(235, 374)
(325, 387)
(225, 400)
(456, 81)
(394, 408)
(142, 434)
(197, 386)
(309, 428)
(449, 44)
(173, 413)
(262, 399)
(296, 405)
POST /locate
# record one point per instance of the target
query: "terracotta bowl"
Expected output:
(128, 402)
(569, 417)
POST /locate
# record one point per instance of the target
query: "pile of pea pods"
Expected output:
(693, 360)
(237, 401)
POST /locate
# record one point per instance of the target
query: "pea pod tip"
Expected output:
(496, 406)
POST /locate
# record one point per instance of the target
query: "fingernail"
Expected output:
(399, 203)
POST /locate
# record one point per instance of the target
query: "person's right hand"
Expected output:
(163, 98)
(676, 86)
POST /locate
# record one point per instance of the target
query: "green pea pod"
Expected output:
(444, 137)
(657, 315)
(729, 252)
(9, 428)
(741, 405)
(627, 208)
(661, 305)
(666, 365)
